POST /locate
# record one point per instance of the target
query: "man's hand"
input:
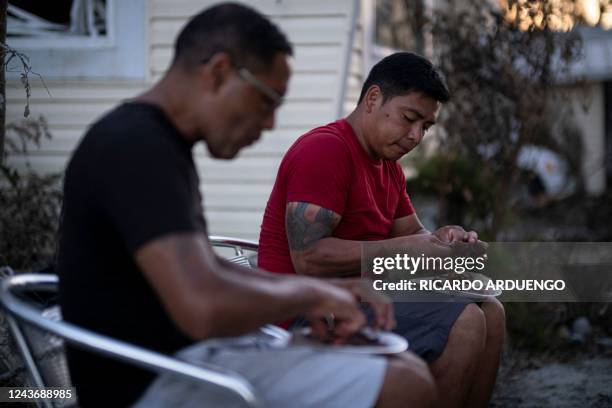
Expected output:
(337, 304)
(455, 233)
(384, 317)
(461, 242)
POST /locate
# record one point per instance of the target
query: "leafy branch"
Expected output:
(25, 70)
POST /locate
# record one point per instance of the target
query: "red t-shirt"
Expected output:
(328, 167)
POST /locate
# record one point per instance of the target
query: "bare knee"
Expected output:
(466, 342)
(408, 382)
(495, 317)
(470, 326)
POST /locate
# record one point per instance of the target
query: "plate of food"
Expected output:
(365, 341)
(469, 285)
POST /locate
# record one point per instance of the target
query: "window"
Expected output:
(398, 24)
(80, 39)
(392, 25)
(60, 23)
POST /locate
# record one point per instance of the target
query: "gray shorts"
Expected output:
(426, 325)
(282, 376)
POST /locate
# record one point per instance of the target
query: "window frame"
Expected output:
(372, 51)
(122, 54)
(70, 41)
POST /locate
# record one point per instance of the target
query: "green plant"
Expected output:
(29, 202)
(464, 186)
(505, 85)
(29, 209)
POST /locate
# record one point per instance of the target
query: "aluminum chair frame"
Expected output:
(237, 243)
(20, 312)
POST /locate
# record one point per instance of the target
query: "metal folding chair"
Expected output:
(38, 330)
(22, 313)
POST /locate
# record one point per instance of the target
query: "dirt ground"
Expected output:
(578, 380)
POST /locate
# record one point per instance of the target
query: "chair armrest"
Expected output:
(236, 243)
(108, 346)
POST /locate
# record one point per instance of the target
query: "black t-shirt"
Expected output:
(132, 179)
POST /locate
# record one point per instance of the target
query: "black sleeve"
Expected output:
(144, 189)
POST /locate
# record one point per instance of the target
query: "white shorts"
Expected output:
(288, 376)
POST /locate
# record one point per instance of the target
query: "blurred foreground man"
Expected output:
(341, 185)
(134, 259)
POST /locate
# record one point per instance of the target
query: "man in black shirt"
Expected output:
(134, 259)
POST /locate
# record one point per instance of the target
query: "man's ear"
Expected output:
(218, 70)
(373, 98)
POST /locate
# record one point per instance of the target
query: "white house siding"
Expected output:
(71, 108)
(81, 81)
(355, 75)
(236, 192)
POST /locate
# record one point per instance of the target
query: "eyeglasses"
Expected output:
(270, 93)
(276, 99)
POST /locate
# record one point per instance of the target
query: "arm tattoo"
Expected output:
(304, 230)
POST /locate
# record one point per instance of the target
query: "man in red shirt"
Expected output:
(340, 185)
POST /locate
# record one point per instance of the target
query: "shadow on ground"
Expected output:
(584, 380)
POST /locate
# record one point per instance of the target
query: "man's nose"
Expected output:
(415, 134)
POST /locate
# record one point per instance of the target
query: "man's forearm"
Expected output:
(334, 257)
(329, 257)
(207, 298)
(247, 271)
(235, 290)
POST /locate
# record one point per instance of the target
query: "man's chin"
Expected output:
(395, 156)
(222, 154)
(398, 154)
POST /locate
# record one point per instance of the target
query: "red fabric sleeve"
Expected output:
(319, 171)
(404, 205)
